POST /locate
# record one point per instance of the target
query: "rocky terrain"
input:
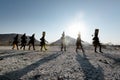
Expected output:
(58, 65)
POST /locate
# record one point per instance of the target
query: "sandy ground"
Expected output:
(59, 65)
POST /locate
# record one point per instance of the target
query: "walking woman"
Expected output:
(96, 42)
(32, 42)
(43, 41)
(63, 42)
(23, 41)
(79, 44)
(15, 42)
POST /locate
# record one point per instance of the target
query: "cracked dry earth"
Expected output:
(58, 65)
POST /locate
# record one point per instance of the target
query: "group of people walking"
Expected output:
(96, 42)
(78, 43)
(31, 42)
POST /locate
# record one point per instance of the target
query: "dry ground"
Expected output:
(57, 65)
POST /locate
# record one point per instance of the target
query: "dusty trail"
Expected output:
(58, 65)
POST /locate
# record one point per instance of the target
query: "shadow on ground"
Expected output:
(16, 75)
(90, 72)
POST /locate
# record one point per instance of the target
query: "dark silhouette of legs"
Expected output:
(63, 46)
(13, 46)
(100, 50)
(95, 49)
(17, 46)
(33, 46)
(82, 48)
(79, 47)
(29, 46)
(24, 47)
(43, 46)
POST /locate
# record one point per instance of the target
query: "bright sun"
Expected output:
(75, 28)
(77, 25)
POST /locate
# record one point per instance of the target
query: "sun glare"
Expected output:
(76, 27)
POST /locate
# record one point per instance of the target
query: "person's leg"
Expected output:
(13, 46)
(24, 47)
(64, 47)
(29, 46)
(100, 48)
(95, 48)
(41, 47)
(17, 46)
(33, 46)
(45, 47)
(76, 48)
(82, 48)
(21, 46)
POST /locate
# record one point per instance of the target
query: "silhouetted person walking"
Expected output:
(23, 41)
(43, 41)
(32, 42)
(15, 42)
(96, 41)
(63, 42)
(79, 44)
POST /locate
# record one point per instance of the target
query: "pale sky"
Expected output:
(56, 16)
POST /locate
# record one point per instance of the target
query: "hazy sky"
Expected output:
(56, 16)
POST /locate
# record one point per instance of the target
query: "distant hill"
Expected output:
(7, 39)
(69, 41)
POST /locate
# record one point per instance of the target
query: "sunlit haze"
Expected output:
(77, 25)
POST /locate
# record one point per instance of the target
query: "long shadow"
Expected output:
(90, 72)
(16, 75)
(12, 55)
(6, 51)
(107, 55)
